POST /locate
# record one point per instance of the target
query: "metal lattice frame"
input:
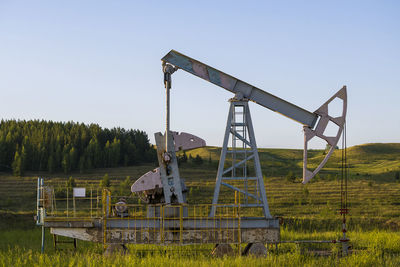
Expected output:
(243, 150)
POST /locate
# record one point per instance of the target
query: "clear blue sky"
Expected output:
(99, 61)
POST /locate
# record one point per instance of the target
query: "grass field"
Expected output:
(371, 248)
(308, 211)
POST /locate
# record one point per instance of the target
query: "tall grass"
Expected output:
(17, 257)
(310, 213)
(373, 248)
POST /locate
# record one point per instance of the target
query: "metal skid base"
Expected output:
(184, 231)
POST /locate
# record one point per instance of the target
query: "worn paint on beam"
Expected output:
(236, 86)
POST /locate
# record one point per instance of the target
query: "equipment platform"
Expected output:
(102, 218)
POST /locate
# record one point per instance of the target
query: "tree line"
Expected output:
(39, 145)
(198, 160)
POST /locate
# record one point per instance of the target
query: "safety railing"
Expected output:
(124, 220)
(170, 224)
(68, 202)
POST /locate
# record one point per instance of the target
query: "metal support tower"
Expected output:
(243, 151)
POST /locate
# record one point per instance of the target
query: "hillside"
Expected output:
(375, 160)
(374, 192)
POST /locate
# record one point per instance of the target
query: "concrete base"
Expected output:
(255, 249)
(166, 231)
(221, 250)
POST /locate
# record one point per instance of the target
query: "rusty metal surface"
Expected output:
(169, 230)
(72, 223)
(149, 181)
(245, 91)
(169, 171)
(86, 234)
(236, 86)
(262, 235)
(154, 236)
(186, 223)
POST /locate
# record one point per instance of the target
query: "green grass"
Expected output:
(309, 211)
(368, 160)
(371, 248)
(374, 193)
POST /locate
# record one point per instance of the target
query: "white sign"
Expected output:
(79, 192)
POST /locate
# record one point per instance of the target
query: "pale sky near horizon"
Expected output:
(99, 62)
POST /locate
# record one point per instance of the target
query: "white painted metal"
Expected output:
(169, 171)
(185, 141)
(79, 192)
(237, 86)
(244, 90)
(152, 180)
(249, 148)
(148, 181)
(319, 130)
(222, 162)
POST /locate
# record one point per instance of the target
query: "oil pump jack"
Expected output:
(167, 218)
(239, 129)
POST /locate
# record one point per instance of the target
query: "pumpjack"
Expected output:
(169, 220)
(239, 129)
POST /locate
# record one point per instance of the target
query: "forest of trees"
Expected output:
(58, 146)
